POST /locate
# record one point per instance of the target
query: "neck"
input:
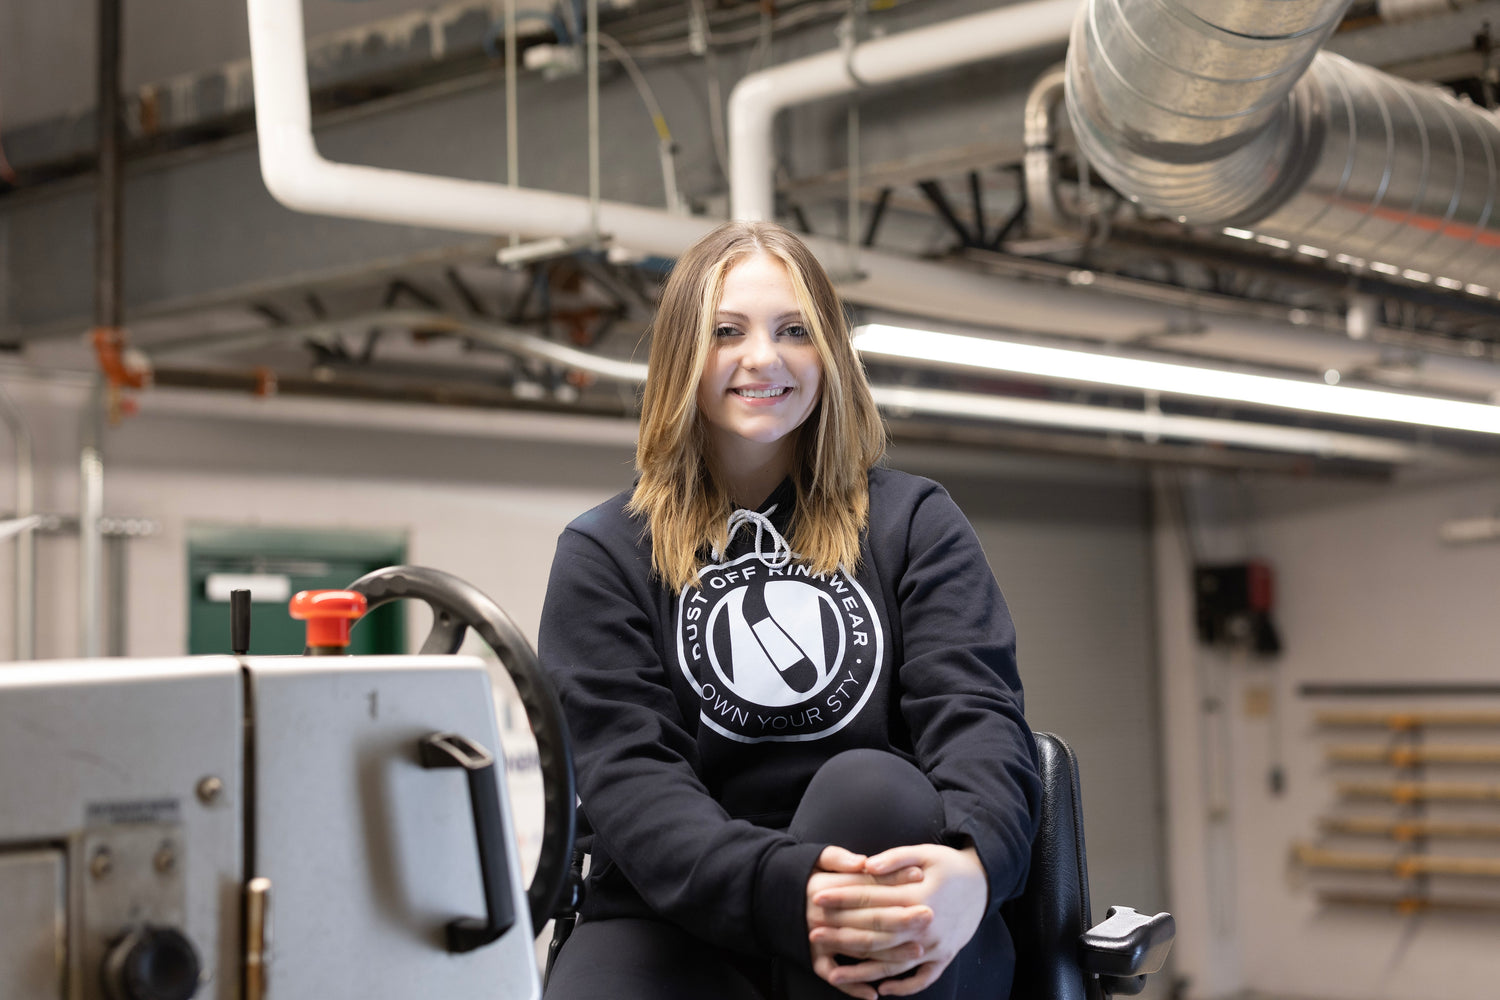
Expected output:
(753, 474)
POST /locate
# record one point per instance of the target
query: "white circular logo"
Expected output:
(777, 653)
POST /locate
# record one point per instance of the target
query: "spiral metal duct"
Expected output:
(1224, 112)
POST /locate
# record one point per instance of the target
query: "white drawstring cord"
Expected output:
(780, 554)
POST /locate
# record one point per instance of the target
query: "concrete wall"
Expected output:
(1366, 593)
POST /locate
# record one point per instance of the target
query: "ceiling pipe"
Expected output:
(755, 101)
(300, 178)
(108, 313)
(24, 619)
(1224, 113)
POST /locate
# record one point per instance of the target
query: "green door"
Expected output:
(274, 563)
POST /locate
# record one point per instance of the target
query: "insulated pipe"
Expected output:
(1205, 111)
(757, 98)
(24, 642)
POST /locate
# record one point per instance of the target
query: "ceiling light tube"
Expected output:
(1146, 423)
(1174, 379)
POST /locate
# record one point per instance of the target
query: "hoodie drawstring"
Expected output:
(780, 554)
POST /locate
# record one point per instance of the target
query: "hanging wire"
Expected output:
(593, 87)
(715, 94)
(665, 144)
(512, 108)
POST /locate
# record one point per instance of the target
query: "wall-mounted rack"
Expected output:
(1411, 756)
(1419, 791)
(1401, 865)
(1407, 721)
(1407, 830)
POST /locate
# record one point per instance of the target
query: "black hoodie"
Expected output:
(698, 718)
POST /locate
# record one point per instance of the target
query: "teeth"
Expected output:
(760, 393)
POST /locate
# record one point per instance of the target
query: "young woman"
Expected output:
(789, 675)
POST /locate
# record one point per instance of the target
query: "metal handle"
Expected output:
(452, 750)
(457, 606)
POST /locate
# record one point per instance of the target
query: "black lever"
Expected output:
(239, 622)
(453, 750)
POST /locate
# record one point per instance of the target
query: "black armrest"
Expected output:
(1127, 944)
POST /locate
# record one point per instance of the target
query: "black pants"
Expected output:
(866, 801)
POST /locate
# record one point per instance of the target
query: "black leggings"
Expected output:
(866, 801)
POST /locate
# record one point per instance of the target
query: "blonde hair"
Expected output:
(685, 505)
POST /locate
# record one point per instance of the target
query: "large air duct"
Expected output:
(1224, 113)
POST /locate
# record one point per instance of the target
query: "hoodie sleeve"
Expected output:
(961, 693)
(732, 883)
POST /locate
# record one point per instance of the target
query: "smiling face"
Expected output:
(763, 374)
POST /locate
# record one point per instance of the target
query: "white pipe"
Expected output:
(90, 531)
(757, 98)
(303, 180)
(25, 564)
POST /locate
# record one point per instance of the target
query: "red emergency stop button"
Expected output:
(329, 615)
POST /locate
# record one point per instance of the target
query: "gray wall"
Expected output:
(1365, 593)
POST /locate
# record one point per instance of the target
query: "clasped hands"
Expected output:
(904, 912)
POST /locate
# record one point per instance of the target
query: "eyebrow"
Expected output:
(794, 314)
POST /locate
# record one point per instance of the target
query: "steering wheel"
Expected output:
(457, 606)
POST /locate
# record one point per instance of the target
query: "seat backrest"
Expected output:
(1047, 918)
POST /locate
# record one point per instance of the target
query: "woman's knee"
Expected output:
(868, 801)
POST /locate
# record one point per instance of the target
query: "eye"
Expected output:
(796, 330)
(725, 331)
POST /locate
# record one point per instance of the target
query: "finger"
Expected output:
(901, 876)
(906, 921)
(837, 880)
(859, 943)
(878, 945)
(884, 863)
(825, 966)
(835, 859)
(861, 896)
(925, 976)
(870, 971)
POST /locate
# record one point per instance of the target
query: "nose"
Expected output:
(760, 351)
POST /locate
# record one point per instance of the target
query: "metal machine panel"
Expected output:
(115, 760)
(32, 952)
(369, 855)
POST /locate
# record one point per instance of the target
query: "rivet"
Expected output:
(209, 790)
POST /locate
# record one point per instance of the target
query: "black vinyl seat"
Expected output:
(1059, 956)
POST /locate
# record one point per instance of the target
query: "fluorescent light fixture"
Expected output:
(1175, 379)
(1150, 424)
